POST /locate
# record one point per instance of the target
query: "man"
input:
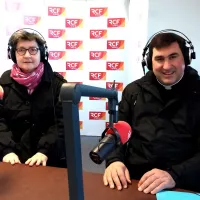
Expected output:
(163, 109)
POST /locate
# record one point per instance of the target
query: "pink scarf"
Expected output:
(29, 80)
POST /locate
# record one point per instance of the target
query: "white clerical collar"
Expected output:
(169, 87)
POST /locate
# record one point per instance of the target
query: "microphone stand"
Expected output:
(112, 103)
(70, 96)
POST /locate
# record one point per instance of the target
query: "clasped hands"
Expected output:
(37, 159)
(116, 174)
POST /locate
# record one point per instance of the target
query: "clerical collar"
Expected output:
(169, 87)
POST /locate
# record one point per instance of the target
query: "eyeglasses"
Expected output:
(32, 50)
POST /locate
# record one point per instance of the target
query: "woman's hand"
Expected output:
(37, 159)
(11, 158)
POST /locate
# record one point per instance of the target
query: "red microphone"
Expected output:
(111, 138)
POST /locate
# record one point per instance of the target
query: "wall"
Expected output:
(182, 15)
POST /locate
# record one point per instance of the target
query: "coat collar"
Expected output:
(190, 83)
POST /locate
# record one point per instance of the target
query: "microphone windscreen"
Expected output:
(124, 130)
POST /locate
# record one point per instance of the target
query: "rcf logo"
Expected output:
(80, 106)
(97, 75)
(118, 86)
(56, 55)
(115, 44)
(96, 98)
(56, 33)
(73, 23)
(74, 65)
(114, 65)
(63, 74)
(98, 55)
(81, 124)
(74, 44)
(97, 34)
(56, 11)
(97, 115)
(115, 22)
(31, 20)
(98, 12)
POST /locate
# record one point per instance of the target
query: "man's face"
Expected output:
(28, 62)
(168, 64)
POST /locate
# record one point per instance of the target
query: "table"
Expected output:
(50, 183)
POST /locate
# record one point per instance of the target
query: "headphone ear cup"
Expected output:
(46, 51)
(187, 56)
(149, 62)
(42, 56)
(47, 55)
(144, 63)
(193, 55)
(43, 53)
(8, 52)
(12, 55)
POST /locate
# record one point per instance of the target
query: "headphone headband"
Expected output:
(168, 31)
(31, 31)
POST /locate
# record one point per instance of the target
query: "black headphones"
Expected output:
(188, 52)
(43, 49)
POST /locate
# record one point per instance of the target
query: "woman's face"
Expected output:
(27, 55)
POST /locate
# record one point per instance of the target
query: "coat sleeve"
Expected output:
(187, 173)
(125, 112)
(7, 145)
(56, 131)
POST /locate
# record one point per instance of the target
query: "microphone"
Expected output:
(111, 138)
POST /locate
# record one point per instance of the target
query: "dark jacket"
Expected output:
(165, 128)
(31, 123)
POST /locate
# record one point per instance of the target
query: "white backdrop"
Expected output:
(181, 11)
(91, 42)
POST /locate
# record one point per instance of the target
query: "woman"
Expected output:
(31, 126)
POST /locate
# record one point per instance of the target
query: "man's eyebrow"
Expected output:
(158, 57)
(172, 54)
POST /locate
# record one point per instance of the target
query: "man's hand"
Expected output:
(155, 180)
(37, 159)
(116, 174)
(11, 158)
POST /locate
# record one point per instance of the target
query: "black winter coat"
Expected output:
(165, 128)
(32, 123)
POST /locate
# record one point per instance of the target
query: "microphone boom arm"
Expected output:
(70, 96)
